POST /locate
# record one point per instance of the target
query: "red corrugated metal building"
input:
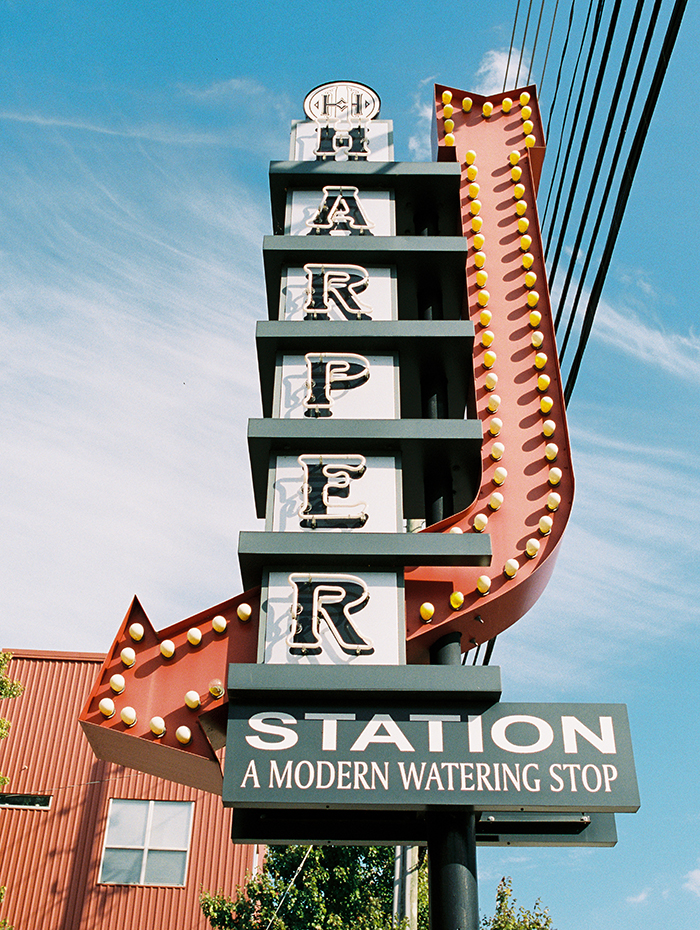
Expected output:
(89, 845)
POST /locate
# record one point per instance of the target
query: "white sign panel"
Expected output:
(334, 618)
(343, 385)
(337, 140)
(339, 292)
(345, 492)
(340, 210)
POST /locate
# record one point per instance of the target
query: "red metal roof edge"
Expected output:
(50, 655)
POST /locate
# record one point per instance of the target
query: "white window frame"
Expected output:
(146, 848)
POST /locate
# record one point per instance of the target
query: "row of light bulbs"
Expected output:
(192, 699)
(487, 110)
(496, 499)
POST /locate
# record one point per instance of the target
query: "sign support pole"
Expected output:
(452, 877)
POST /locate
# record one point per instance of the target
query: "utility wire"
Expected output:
(510, 50)
(594, 36)
(595, 174)
(625, 188)
(602, 68)
(522, 44)
(549, 43)
(534, 47)
(301, 866)
(566, 108)
(632, 98)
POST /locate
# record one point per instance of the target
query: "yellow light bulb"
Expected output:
(483, 298)
(483, 584)
(535, 318)
(500, 475)
(551, 451)
(494, 403)
(446, 96)
(530, 279)
(530, 142)
(546, 524)
(497, 451)
(128, 715)
(516, 172)
(449, 124)
(489, 359)
(528, 258)
(475, 207)
(491, 380)
(487, 338)
(447, 111)
(555, 475)
(546, 404)
(456, 600)
(481, 277)
(553, 500)
(157, 726)
(548, 428)
(540, 360)
(467, 104)
(128, 656)
(244, 612)
(192, 699)
(167, 649)
(532, 299)
(523, 224)
(526, 113)
(518, 191)
(477, 223)
(136, 632)
(485, 317)
(524, 98)
(487, 109)
(117, 683)
(525, 243)
(478, 241)
(511, 568)
(106, 706)
(514, 157)
(472, 172)
(480, 259)
(474, 190)
(521, 207)
(183, 735)
(506, 104)
(532, 547)
(470, 157)
(219, 624)
(543, 383)
(194, 636)
(449, 139)
(537, 338)
(496, 500)
(480, 522)
(495, 426)
(528, 126)
(427, 611)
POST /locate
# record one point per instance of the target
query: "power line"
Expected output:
(625, 188)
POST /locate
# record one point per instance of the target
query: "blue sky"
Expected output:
(133, 201)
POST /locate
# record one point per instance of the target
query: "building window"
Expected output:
(26, 801)
(147, 843)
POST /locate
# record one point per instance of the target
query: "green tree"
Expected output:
(336, 888)
(8, 689)
(506, 917)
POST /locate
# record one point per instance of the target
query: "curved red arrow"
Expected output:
(527, 488)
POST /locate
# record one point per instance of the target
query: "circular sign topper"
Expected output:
(342, 100)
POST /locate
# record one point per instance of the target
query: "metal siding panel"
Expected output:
(59, 850)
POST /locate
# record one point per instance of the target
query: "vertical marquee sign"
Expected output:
(409, 379)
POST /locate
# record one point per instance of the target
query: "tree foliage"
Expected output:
(8, 689)
(338, 888)
(506, 917)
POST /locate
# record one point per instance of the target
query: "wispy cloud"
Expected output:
(640, 898)
(419, 142)
(692, 882)
(491, 72)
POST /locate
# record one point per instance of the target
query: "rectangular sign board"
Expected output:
(351, 747)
